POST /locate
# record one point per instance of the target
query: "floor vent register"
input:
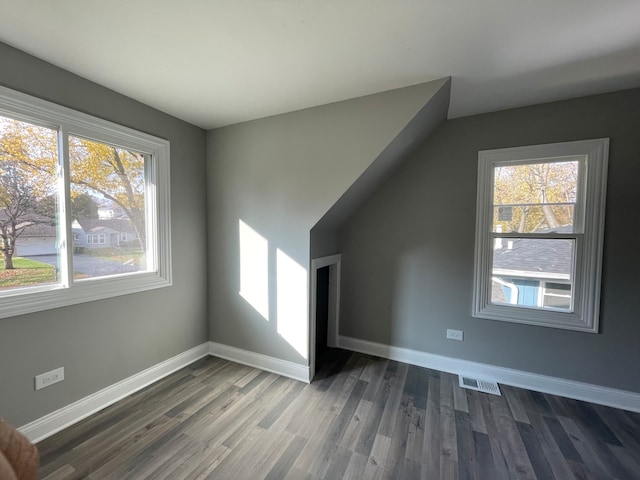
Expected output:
(485, 386)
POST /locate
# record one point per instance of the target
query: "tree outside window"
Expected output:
(539, 234)
(84, 207)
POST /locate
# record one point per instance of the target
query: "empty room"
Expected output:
(295, 239)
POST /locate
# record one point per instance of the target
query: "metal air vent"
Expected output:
(485, 386)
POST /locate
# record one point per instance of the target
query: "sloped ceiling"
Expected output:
(417, 129)
(215, 63)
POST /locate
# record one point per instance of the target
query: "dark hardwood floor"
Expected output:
(362, 418)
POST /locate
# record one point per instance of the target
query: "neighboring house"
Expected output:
(532, 272)
(36, 235)
(37, 239)
(102, 233)
(41, 238)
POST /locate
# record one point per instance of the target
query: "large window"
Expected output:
(84, 207)
(539, 234)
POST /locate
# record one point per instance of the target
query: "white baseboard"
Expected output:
(263, 362)
(532, 381)
(54, 422)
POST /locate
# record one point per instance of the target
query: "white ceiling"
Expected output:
(219, 62)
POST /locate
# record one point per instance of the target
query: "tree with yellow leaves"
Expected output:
(535, 197)
(28, 159)
(112, 173)
(29, 181)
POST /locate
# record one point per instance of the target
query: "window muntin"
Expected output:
(539, 234)
(69, 195)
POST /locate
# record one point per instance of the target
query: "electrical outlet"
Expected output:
(455, 334)
(49, 378)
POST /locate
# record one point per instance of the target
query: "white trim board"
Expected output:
(263, 362)
(66, 416)
(610, 397)
(334, 262)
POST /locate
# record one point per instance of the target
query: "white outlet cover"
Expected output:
(455, 334)
(46, 379)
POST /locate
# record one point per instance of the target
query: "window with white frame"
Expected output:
(539, 234)
(98, 238)
(57, 168)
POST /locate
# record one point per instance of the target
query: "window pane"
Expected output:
(107, 207)
(557, 295)
(534, 273)
(535, 197)
(28, 205)
(532, 218)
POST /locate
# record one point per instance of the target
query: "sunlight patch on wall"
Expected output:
(292, 303)
(254, 269)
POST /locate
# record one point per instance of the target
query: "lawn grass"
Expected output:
(26, 272)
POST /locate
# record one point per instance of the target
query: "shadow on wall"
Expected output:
(291, 287)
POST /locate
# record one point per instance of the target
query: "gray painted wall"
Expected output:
(103, 342)
(407, 254)
(280, 175)
(324, 235)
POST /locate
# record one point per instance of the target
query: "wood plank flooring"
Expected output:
(362, 418)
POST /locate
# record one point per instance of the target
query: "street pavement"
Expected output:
(88, 265)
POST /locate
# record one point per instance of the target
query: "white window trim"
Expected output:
(588, 254)
(70, 122)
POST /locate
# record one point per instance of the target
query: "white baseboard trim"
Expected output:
(55, 421)
(263, 362)
(610, 397)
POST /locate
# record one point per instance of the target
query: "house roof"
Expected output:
(532, 257)
(39, 230)
(34, 225)
(219, 63)
(115, 224)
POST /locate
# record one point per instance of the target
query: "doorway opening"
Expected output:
(322, 313)
(325, 308)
